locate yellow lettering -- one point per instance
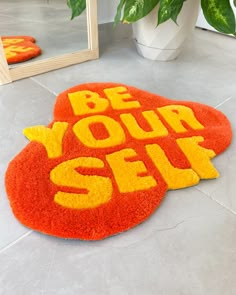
(175, 114)
(12, 50)
(51, 138)
(115, 132)
(9, 54)
(198, 156)
(99, 189)
(10, 41)
(158, 129)
(121, 99)
(126, 173)
(174, 177)
(87, 102)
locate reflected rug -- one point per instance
(106, 161)
(19, 48)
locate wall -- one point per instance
(107, 10)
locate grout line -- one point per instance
(16, 241)
(219, 203)
(220, 104)
(43, 86)
(207, 195)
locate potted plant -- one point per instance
(160, 27)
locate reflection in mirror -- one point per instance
(48, 21)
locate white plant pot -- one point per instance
(166, 41)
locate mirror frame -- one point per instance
(8, 75)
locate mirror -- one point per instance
(48, 21)
(63, 42)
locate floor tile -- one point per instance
(186, 247)
(22, 104)
(223, 189)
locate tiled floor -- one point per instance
(187, 247)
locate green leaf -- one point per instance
(219, 14)
(137, 9)
(235, 3)
(68, 3)
(169, 9)
(77, 7)
(176, 10)
(118, 12)
(164, 12)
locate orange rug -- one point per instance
(105, 162)
(19, 48)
